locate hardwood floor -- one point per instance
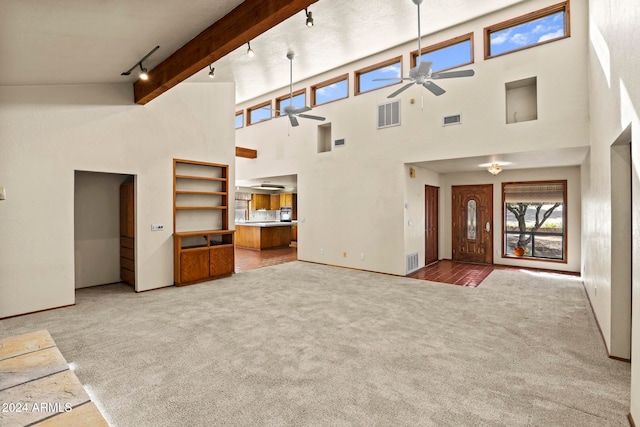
(247, 259)
(444, 271)
(464, 274)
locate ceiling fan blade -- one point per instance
(293, 120)
(397, 79)
(433, 88)
(301, 110)
(452, 74)
(425, 67)
(402, 89)
(307, 116)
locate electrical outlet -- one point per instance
(321, 251)
(362, 256)
(157, 227)
(344, 254)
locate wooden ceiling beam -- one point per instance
(244, 23)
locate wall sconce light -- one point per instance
(250, 52)
(309, 18)
(494, 169)
(143, 71)
(212, 72)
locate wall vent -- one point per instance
(456, 119)
(412, 262)
(389, 114)
(339, 143)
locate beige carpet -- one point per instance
(301, 344)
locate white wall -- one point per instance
(368, 175)
(573, 211)
(97, 228)
(614, 91)
(48, 132)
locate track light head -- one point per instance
(212, 72)
(250, 52)
(309, 18)
(143, 72)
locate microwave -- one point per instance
(285, 214)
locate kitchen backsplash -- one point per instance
(264, 215)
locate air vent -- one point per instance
(339, 143)
(412, 262)
(389, 114)
(451, 120)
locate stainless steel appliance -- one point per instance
(285, 214)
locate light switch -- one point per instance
(157, 227)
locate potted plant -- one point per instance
(518, 251)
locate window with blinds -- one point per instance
(535, 219)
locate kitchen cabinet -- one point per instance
(294, 233)
(260, 236)
(260, 201)
(274, 202)
(290, 200)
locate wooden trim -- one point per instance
(445, 44)
(630, 418)
(550, 10)
(41, 311)
(247, 153)
(327, 83)
(565, 229)
(255, 107)
(243, 24)
(374, 67)
(285, 97)
(239, 113)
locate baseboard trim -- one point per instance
(37, 311)
(604, 342)
(630, 417)
(353, 268)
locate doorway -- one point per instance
(472, 223)
(621, 246)
(97, 252)
(431, 224)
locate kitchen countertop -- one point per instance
(267, 224)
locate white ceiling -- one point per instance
(93, 41)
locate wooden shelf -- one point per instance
(201, 178)
(201, 254)
(200, 208)
(205, 193)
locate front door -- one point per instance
(430, 224)
(472, 228)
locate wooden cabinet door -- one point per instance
(430, 224)
(274, 202)
(260, 201)
(127, 219)
(221, 261)
(285, 200)
(294, 233)
(472, 227)
(194, 265)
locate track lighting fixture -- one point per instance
(309, 18)
(144, 75)
(212, 72)
(250, 51)
(143, 72)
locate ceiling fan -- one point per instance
(421, 74)
(290, 111)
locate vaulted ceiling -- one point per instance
(94, 41)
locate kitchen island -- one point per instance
(263, 235)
